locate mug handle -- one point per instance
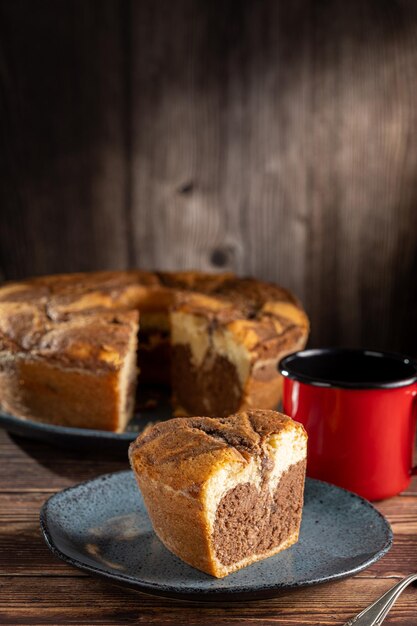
(414, 469)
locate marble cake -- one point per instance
(223, 493)
(69, 352)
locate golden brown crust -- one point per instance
(74, 373)
(93, 342)
(257, 313)
(261, 315)
(183, 452)
(45, 392)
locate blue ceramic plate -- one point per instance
(102, 527)
(98, 440)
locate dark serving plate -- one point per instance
(101, 526)
(155, 407)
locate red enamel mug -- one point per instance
(359, 409)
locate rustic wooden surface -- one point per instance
(272, 138)
(37, 589)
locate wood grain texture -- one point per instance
(276, 140)
(271, 138)
(95, 603)
(38, 589)
(215, 155)
(62, 146)
(363, 193)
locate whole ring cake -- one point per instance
(70, 350)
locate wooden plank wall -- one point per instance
(273, 138)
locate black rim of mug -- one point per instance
(289, 368)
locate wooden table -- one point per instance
(36, 588)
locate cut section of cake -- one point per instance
(80, 372)
(225, 492)
(226, 346)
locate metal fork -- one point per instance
(375, 613)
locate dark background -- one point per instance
(269, 137)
